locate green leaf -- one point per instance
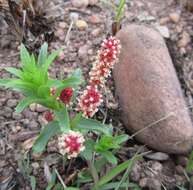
(52, 182)
(89, 149)
(74, 122)
(113, 185)
(4, 82)
(119, 11)
(71, 188)
(43, 54)
(14, 71)
(189, 167)
(33, 182)
(44, 91)
(20, 85)
(73, 81)
(100, 163)
(63, 119)
(110, 157)
(24, 103)
(24, 56)
(105, 143)
(121, 139)
(115, 171)
(93, 125)
(48, 131)
(181, 188)
(51, 58)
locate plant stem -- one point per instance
(93, 171)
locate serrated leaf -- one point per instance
(48, 131)
(43, 54)
(24, 103)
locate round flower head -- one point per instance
(48, 116)
(71, 144)
(110, 49)
(89, 101)
(66, 95)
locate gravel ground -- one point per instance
(17, 131)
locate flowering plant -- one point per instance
(73, 132)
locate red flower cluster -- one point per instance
(71, 143)
(89, 101)
(107, 57)
(101, 70)
(66, 95)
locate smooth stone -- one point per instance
(149, 92)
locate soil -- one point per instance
(17, 131)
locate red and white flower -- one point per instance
(71, 144)
(107, 57)
(89, 101)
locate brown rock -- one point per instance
(164, 20)
(80, 3)
(175, 17)
(185, 40)
(150, 93)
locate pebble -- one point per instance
(80, 3)
(163, 30)
(74, 16)
(160, 156)
(17, 116)
(60, 34)
(12, 103)
(164, 20)
(157, 167)
(96, 32)
(81, 24)
(94, 19)
(185, 40)
(33, 124)
(40, 108)
(136, 172)
(63, 25)
(150, 183)
(83, 51)
(93, 2)
(7, 112)
(35, 165)
(32, 107)
(174, 17)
